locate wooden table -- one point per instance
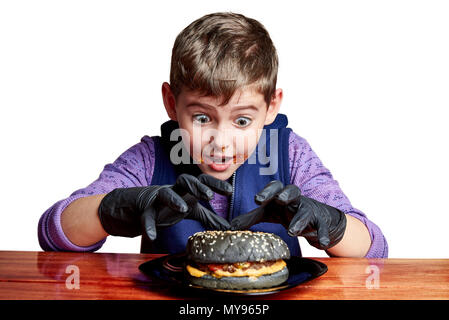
(53, 275)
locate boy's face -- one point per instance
(221, 137)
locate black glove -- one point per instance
(323, 226)
(129, 212)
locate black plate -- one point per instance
(170, 269)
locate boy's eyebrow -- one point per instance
(198, 104)
(208, 106)
(245, 107)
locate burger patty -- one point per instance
(239, 269)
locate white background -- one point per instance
(365, 82)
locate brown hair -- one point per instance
(222, 52)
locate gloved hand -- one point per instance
(129, 212)
(323, 226)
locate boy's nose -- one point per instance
(221, 142)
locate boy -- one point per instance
(237, 165)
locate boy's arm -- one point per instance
(356, 240)
(80, 222)
(72, 224)
(51, 234)
(362, 237)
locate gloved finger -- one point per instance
(168, 217)
(148, 221)
(245, 221)
(170, 198)
(299, 223)
(268, 192)
(147, 196)
(209, 219)
(186, 183)
(217, 185)
(289, 195)
(322, 232)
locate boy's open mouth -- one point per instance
(218, 163)
(219, 160)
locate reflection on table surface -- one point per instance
(68, 275)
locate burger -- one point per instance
(236, 260)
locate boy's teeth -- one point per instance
(220, 160)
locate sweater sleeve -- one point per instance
(316, 182)
(133, 168)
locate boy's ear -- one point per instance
(169, 101)
(275, 105)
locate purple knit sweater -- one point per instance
(135, 168)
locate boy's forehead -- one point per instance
(248, 95)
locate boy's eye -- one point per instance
(243, 121)
(201, 118)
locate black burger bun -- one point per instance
(240, 283)
(235, 246)
(236, 260)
